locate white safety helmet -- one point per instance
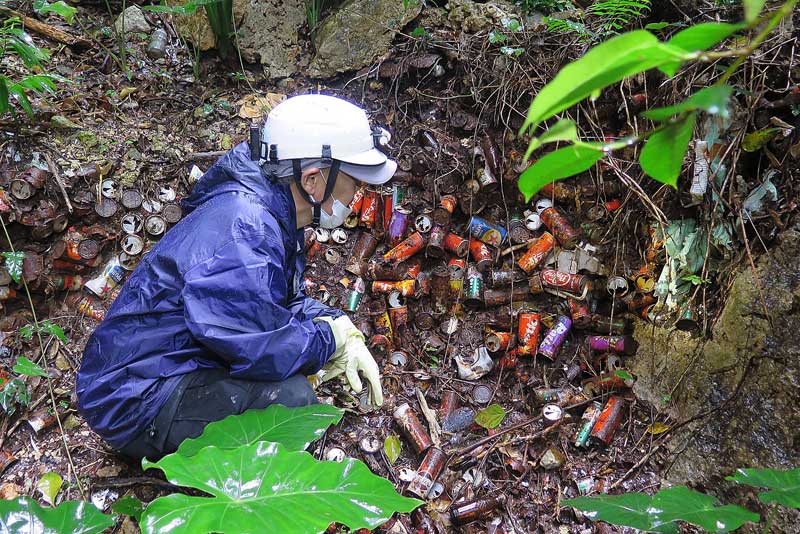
(328, 128)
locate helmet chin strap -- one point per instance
(316, 206)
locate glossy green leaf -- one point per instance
(660, 512)
(13, 393)
(49, 485)
(605, 64)
(186, 9)
(14, 264)
(563, 130)
(556, 165)
(3, 95)
(712, 100)
(698, 38)
(129, 505)
(45, 327)
(26, 367)
(752, 9)
(392, 447)
(59, 8)
(783, 485)
(22, 98)
(294, 428)
(755, 140)
(25, 516)
(662, 156)
(265, 488)
(656, 25)
(491, 416)
(623, 374)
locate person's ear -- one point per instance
(309, 180)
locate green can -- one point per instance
(356, 294)
(589, 419)
(473, 286)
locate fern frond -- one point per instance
(614, 15)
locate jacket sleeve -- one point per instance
(305, 307)
(236, 304)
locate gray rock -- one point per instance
(268, 35)
(755, 426)
(357, 33)
(134, 21)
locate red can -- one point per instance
(481, 254)
(609, 420)
(456, 244)
(399, 318)
(530, 325)
(497, 341)
(560, 228)
(407, 248)
(436, 242)
(357, 203)
(579, 312)
(369, 208)
(537, 252)
(441, 215)
(574, 283)
(412, 428)
(429, 470)
(388, 208)
(405, 287)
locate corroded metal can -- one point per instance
(535, 285)
(560, 396)
(537, 252)
(407, 248)
(530, 324)
(399, 318)
(429, 470)
(618, 344)
(369, 208)
(65, 282)
(436, 241)
(558, 225)
(442, 213)
(466, 512)
(497, 341)
(644, 279)
(440, 285)
(579, 312)
(473, 286)
(574, 283)
(609, 420)
(505, 277)
(456, 244)
(555, 337)
(404, 287)
(481, 254)
(518, 232)
(617, 325)
(356, 294)
(424, 320)
(412, 428)
(362, 251)
(380, 318)
(637, 301)
(448, 404)
(491, 234)
(457, 267)
(398, 224)
(498, 297)
(588, 420)
(423, 279)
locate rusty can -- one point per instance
(106, 208)
(6, 458)
(362, 251)
(505, 277)
(473, 286)
(387, 194)
(64, 282)
(617, 325)
(41, 419)
(172, 212)
(457, 267)
(131, 199)
(555, 337)
(491, 234)
(429, 470)
(423, 284)
(436, 240)
(481, 254)
(498, 297)
(369, 208)
(588, 420)
(456, 244)
(574, 283)
(498, 341)
(422, 223)
(397, 226)
(537, 252)
(609, 420)
(412, 428)
(607, 382)
(440, 284)
(380, 318)
(560, 228)
(530, 324)
(155, 225)
(7, 293)
(424, 320)
(518, 232)
(617, 286)
(560, 396)
(644, 279)
(579, 313)
(468, 511)
(442, 213)
(407, 248)
(356, 294)
(404, 287)
(618, 344)
(448, 404)
(399, 318)
(486, 180)
(637, 301)
(535, 285)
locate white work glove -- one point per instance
(351, 357)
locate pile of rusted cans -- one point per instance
(83, 242)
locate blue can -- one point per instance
(490, 234)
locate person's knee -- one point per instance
(296, 391)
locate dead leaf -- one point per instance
(255, 107)
(125, 91)
(9, 491)
(657, 428)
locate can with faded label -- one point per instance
(537, 252)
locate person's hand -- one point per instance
(350, 358)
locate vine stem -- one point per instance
(42, 358)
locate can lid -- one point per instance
(131, 198)
(552, 412)
(172, 213)
(88, 249)
(106, 208)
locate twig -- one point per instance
(430, 416)
(57, 175)
(51, 32)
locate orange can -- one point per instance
(405, 287)
(456, 244)
(369, 208)
(481, 254)
(357, 202)
(497, 341)
(441, 215)
(530, 325)
(407, 248)
(537, 252)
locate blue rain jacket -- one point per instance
(222, 288)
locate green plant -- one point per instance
(14, 393)
(783, 486)
(59, 8)
(491, 416)
(510, 25)
(14, 40)
(602, 19)
(545, 6)
(256, 483)
(313, 10)
(623, 56)
(23, 515)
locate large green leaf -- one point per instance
(752, 9)
(607, 63)
(59, 8)
(556, 165)
(264, 488)
(660, 512)
(25, 516)
(698, 38)
(28, 368)
(783, 485)
(563, 130)
(294, 428)
(186, 9)
(662, 156)
(3, 95)
(712, 100)
(14, 264)
(491, 416)
(49, 485)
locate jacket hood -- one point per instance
(236, 172)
